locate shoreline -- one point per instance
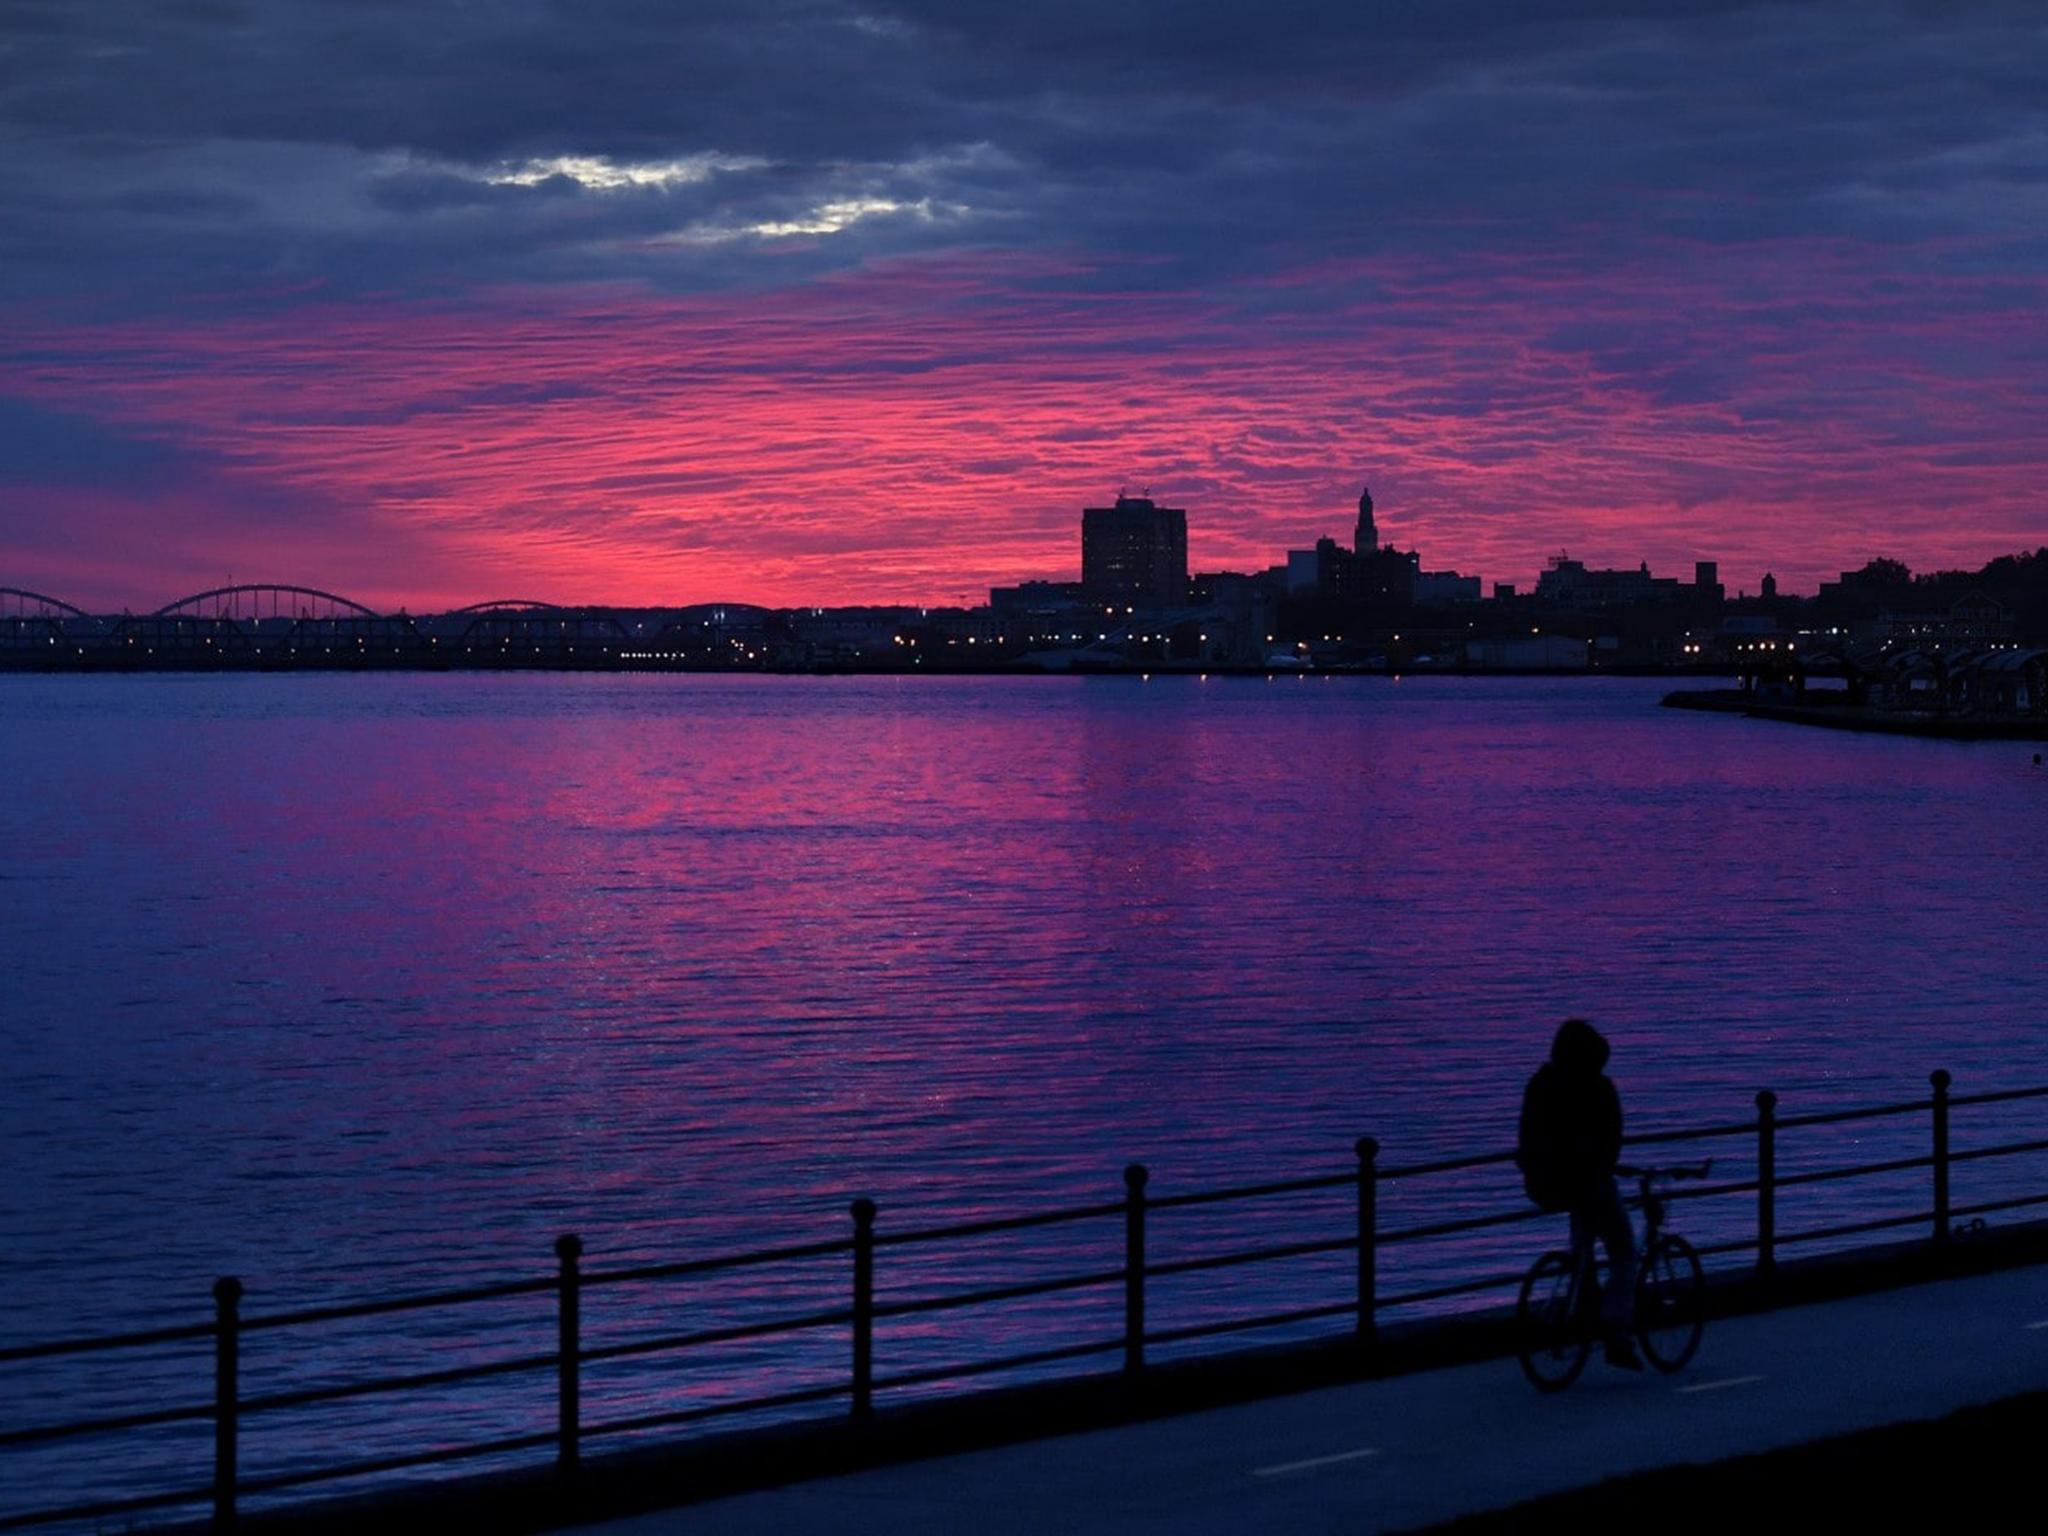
(1849, 717)
(830, 669)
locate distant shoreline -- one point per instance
(1850, 717)
(830, 669)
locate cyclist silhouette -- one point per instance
(1569, 1143)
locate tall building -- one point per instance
(1339, 572)
(1135, 554)
(1367, 538)
(1367, 576)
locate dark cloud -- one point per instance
(400, 145)
(52, 448)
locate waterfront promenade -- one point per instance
(559, 1482)
(1414, 1450)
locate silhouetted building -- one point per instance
(1340, 573)
(1240, 616)
(1366, 538)
(1034, 595)
(848, 635)
(1973, 620)
(1135, 553)
(1567, 583)
(1865, 585)
(1367, 577)
(1378, 578)
(1706, 581)
(1435, 587)
(1770, 588)
(1386, 577)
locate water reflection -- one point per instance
(340, 983)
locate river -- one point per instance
(340, 983)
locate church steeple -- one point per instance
(1367, 539)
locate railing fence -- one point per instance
(1369, 1242)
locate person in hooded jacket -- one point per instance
(1569, 1144)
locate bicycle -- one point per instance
(1559, 1310)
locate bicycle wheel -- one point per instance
(1553, 1340)
(1670, 1303)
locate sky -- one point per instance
(662, 301)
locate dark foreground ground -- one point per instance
(1729, 1442)
(1979, 1467)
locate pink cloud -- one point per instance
(923, 429)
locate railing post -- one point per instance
(1941, 1080)
(1368, 1235)
(227, 1391)
(1766, 1184)
(1135, 1177)
(569, 1353)
(863, 1308)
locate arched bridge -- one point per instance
(267, 622)
(264, 603)
(19, 603)
(36, 624)
(530, 634)
(281, 624)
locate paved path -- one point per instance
(1393, 1454)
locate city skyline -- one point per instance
(493, 303)
(1068, 570)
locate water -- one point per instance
(346, 983)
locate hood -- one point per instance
(1579, 1047)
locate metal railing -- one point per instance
(859, 1312)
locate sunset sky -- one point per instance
(799, 300)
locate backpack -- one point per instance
(1537, 1149)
